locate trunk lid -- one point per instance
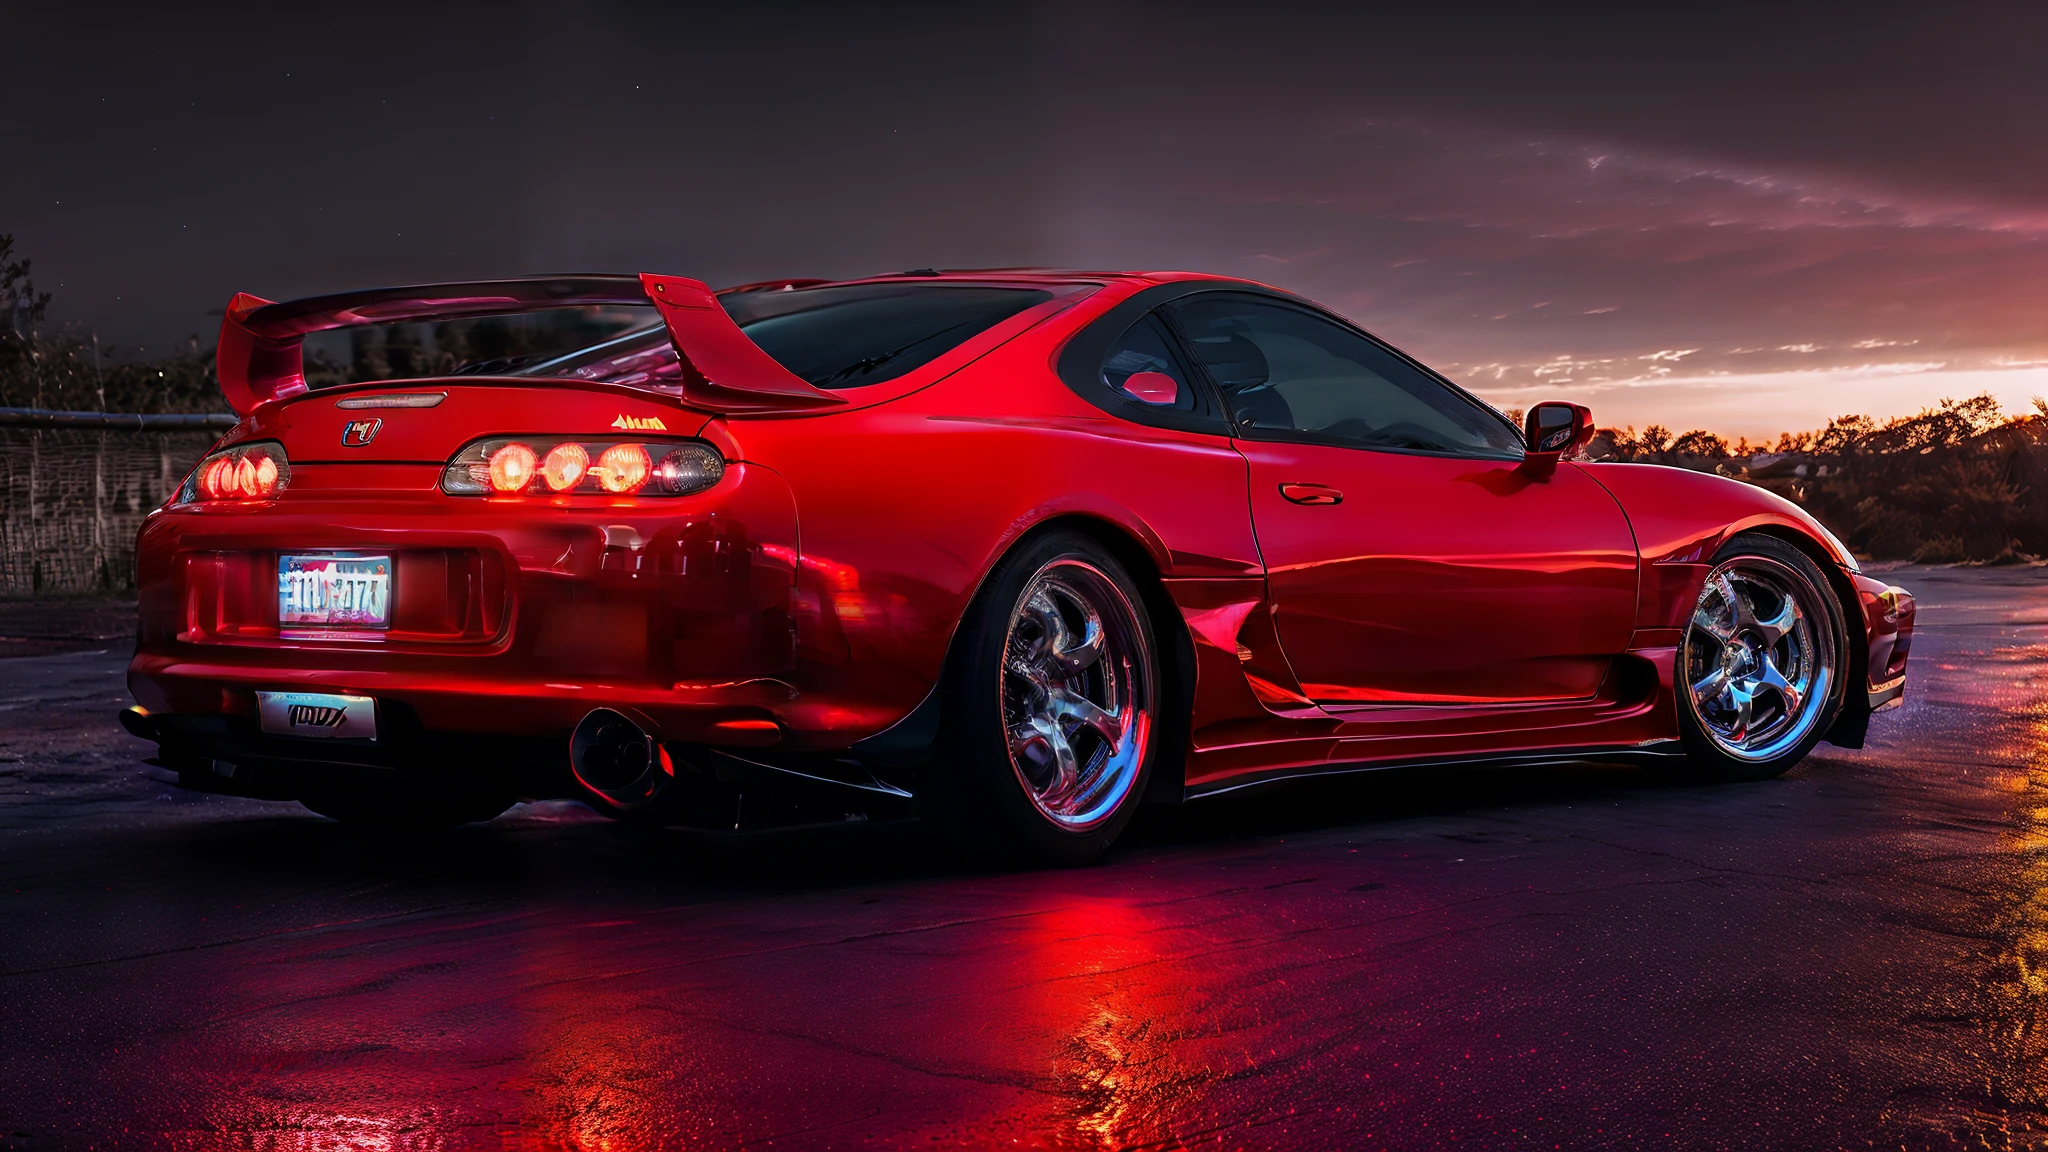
(426, 422)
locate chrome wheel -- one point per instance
(1759, 660)
(1077, 693)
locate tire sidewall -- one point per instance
(1704, 756)
(980, 804)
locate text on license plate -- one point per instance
(324, 715)
(333, 592)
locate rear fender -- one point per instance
(1138, 548)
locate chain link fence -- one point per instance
(78, 485)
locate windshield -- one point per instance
(833, 337)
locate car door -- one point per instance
(1408, 559)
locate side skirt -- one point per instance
(1649, 752)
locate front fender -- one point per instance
(1681, 518)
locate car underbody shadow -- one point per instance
(557, 845)
(1382, 798)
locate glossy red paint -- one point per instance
(1343, 606)
(1441, 579)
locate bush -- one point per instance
(70, 370)
(1955, 483)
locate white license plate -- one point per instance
(333, 595)
(324, 715)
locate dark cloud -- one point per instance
(1743, 215)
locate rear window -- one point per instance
(836, 337)
(479, 346)
(844, 337)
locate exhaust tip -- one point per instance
(137, 720)
(616, 760)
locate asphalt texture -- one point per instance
(1853, 956)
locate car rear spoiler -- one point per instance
(261, 355)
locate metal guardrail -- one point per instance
(130, 421)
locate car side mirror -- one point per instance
(1554, 430)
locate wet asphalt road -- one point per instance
(1853, 956)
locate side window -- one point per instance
(1284, 370)
(1141, 365)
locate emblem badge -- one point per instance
(640, 424)
(360, 432)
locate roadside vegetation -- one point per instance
(68, 369)
(1959, 482)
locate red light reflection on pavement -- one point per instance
(1119, 1008)
(1057, 1021)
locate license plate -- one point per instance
(324, 715)
(330, 596)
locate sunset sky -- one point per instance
(1732, 218)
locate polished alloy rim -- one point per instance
(1077, 694)
(1759, 658)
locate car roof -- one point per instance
(1019, 275)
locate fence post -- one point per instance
(99, 477)
(99, 512)
(35, 531)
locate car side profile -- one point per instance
(1014, 551)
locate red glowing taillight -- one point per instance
(565, 466)
(623, 468)
(543, 466)
(511, 468)
(255, 471)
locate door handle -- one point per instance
(1311, 494)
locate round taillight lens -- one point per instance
(244, 472)
(266, 475)
(565, 466)
(622, 469)
(512, 468)
(213, 479)
(688, 468)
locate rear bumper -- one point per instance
(507, 621)
(738, 712)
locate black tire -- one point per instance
(981, 795)
(1716, 747)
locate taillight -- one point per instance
(540, 466)
(565, 466)
(623, 469)
(255, 471)
(511, 468)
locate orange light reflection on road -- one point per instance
(2017, 1016)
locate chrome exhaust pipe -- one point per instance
(617, 761)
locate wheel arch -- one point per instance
(917, 734)
(1850, 724)
(1169, 628)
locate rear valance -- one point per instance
(261, 355)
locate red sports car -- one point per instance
(1014, 551)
